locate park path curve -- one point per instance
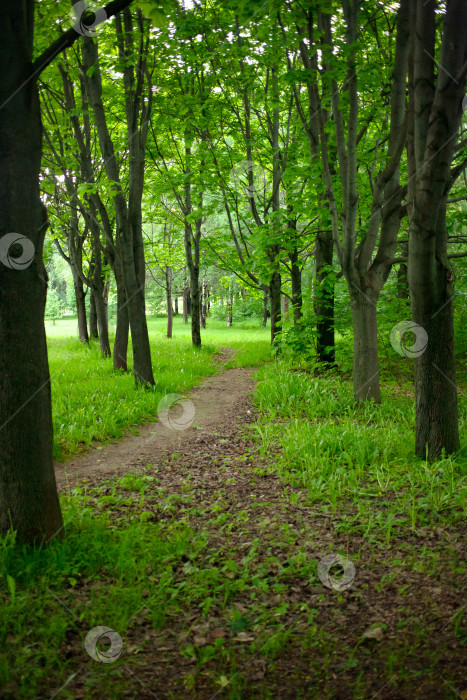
(218, 402)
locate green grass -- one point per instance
(149, 558)
(91, 401)
(341, 453)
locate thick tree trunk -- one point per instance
(431, 292)
(435, 114)
(28, 494)
(365, 348)
(93, 330)
(80, 296)
(324, 299)
(275, 297)
(122, 330)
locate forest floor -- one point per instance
(247, 616)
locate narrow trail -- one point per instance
(217, 403)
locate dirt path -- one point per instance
(217, 402)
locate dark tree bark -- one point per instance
(192, 259)
(324, 299)
(28, 495)
(122, 330)
(275, 299)
(176, 304)
(80, 297)
(93, 328)
(435, 113)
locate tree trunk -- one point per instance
(93, 331)
(168, 287)
(431, 293)
(435, 118)
(275, 297)
(324, 299)
(230, 306)
(122, 330)
(402, 276)
(80, 296)
(195, 306)
(365, 348)
(265, 310)
(28, 495)
(176, 304)
(296, 275)
(192, 261)
(185, 304)
(204, 307)
(102, 321)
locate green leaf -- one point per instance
(11, 583)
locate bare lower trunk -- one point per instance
(365, 349)
(80, 297)
(93, 331)
(275, 297)
(195, 306)
(102, 322)
(204, 306)
(142, 364)
(432, 293)
(168, 287)
(29, 502)
(176, 304)
(122, 330)
(324, 299)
